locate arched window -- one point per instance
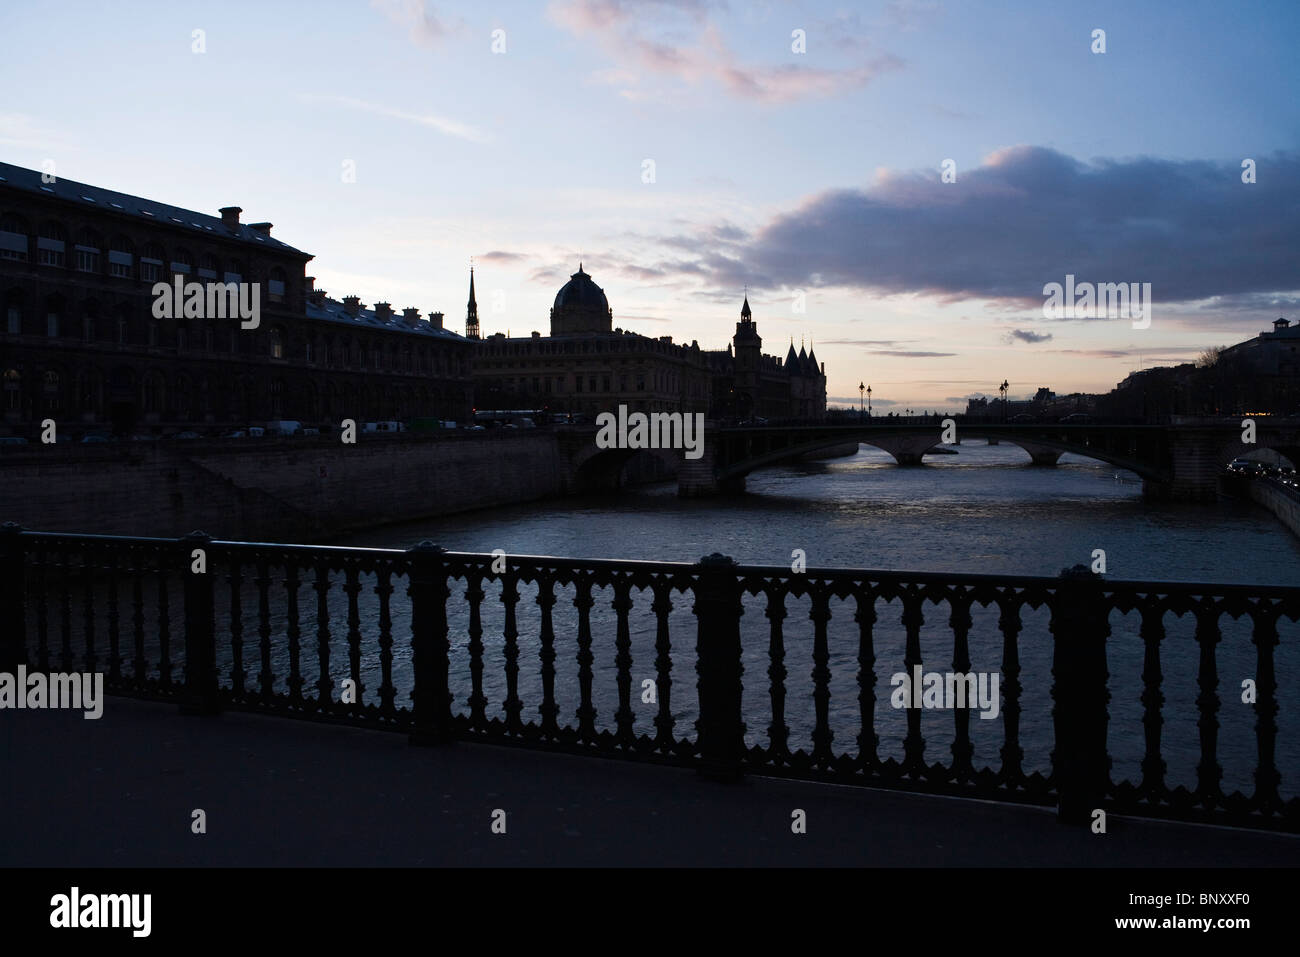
(88, 250)
(13, 237)
(121, 258)
(52, 384)
(151, 263)
(13, 383)
(277, 342)
(182, 262)
(50, 244)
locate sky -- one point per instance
(687, 152)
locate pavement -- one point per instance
(122, 791)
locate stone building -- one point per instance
(587, 366)
(80, 341)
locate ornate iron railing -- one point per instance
(352, 634)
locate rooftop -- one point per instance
(147, 210)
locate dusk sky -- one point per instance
(817, 172)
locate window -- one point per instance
(88, 328)
(277, 398)
(277, 344)
(275, 285)
(52, 324)
(13, 390)
(53, 392)
(15, 321)
(121, 332)
(13, 238)
(151, 263)
(88, 251)
(50, 245)
(307, 353)
(182, 263)
(153, 333)
(209, 266)
(577, 383)
(121, 258)
(182, 339)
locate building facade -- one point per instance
(587, 366)
(81, 342)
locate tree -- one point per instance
(1209, 357)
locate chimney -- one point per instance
(351, 305)
(318, 296)
(383, 311)
(230, 217)
(263, 228)
(411, 315)
(311, 284)
(435, 320)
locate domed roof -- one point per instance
(581, 293)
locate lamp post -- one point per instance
(868, 401)
(1003, 389)
(861, 389)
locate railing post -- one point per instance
(13, 589)
(430, 649)
(720, 727)
(200, 695)
(1080, 626)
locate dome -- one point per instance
(580, 306)
(581, 293)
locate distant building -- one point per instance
(1271, 353)
(587, 366)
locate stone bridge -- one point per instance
(1181, 461)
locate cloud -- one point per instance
(419, 19)
(905, 354)
(1026, 335)
(504, 258)
(443, 125)
(675, 38)
(862, 342)
(1029, 215)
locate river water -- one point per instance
(984, 509)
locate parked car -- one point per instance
(187, 435)
(12, 440)
(1076, 418)
(237, 434)
(95, 438)
(1023, 417)
(311, 431)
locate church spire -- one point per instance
(744, 310)
(471, 312)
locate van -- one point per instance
(284, 427)
(256, 431)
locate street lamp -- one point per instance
(1003, 389)
(868, 401)
(861, 389)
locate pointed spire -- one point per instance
(744, 310)
(471, 311)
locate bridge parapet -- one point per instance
(305, 661)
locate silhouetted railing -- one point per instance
(353, 634)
